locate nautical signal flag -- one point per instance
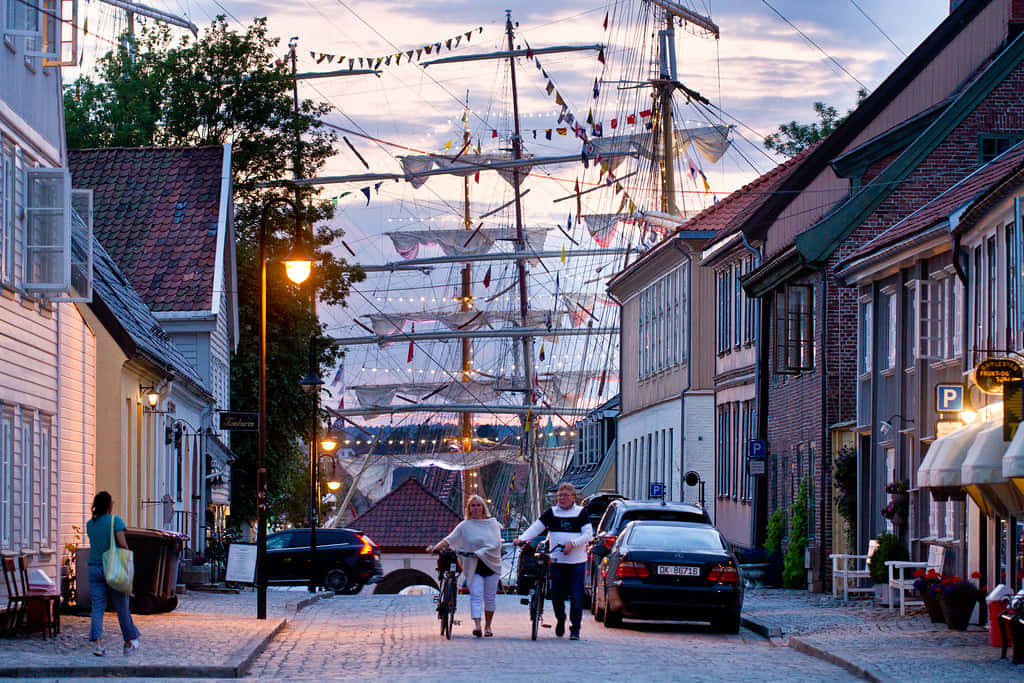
(411, 345)
(542, 350)
(487, 278)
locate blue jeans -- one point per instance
(567, 581)
(100, 593)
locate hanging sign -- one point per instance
(992, 373)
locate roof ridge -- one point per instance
(415, 482)
(144, 148)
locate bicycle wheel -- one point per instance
(442, 606)
(451, 622)
(536, 608)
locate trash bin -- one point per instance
(994, 600)
(156, 570)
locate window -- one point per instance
(722, 461)
(26, 460)
(46, 481)
(794, 329)
(993, 290)
(887, 305)
(38, 22)
(47, 229)
(737, 306)
(7, 478)
(978, 331)
(865, 335)
(662, 325)
(749, 431)
(990, 146)
(938, 312)
(737, 443)
(750, 304)
(724, 309)
(811, 507)
(7, 195)
(1013, 322)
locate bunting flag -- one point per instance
(631, 118)
(448, 146)
(590, 116)
(596, 90)
(579, 200)
(600, 55)
(693, 168)
(563, 256)
(547, 133)
(645, 113)
(707, 187)
(339, 376)
(550, 87)
(605, 26)
(366, 191)
(542, 350)
(487, 278)
(411, 346)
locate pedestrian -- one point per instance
(567, 525)
(98, 530)
(480, 535)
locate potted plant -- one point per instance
(896, 510)
(890, 547)
(957, 596)
(923, 582)
(844, 478)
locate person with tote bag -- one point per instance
(110, 573)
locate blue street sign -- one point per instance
(657, 490)
(949, 398)
(757, 449)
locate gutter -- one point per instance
(689, 367)
(618, 302)
(761, 406)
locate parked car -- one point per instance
(346, 560)
(621, 512)
(682, 571)
(596, 505)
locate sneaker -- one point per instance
(560, 628)
(131, 646)
(574, 635)
(99, 651)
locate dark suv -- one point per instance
(619, 513)
(346, 560)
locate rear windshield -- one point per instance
(683, 538)
(665, 515)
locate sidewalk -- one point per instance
(873, 642)
(209, 635)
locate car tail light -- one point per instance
(367, 548)
(609, 541)
(627, 570)
(724, 573)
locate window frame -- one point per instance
(794, 326)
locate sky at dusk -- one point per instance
(761, 72)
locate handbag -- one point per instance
(118, 565)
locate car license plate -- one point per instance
(668, 570)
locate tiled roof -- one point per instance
(958, 194)
(155, 210)
(410, 517)
(727, 215)
(129, 320)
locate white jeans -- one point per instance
(482, 589)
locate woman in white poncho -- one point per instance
(479, 534)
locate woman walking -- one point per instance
(98, 529)
(479, 534)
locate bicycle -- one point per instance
(540, 587)
(447, 580)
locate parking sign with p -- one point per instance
(949, 398)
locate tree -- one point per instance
(228, 87)
(793, 138)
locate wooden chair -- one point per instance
(41, 610)
(900, 583)
(11, 617)
(851, 570)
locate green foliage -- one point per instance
(844, 477)
(776, 531)
(794, 574)
(890, 547)
(793, 138)
(229, 87)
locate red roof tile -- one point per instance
(156, 211)
(410, 517)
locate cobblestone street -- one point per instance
(397, 638)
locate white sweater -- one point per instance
(482, 537)
(572, 525)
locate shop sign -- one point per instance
(992, 373)
(944, 427)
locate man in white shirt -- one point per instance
(567, 525)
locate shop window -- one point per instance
(794, 330)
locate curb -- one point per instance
(768, 631)
(812, 651)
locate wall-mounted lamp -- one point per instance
(151, 395)
(334, 485)
(887, 425)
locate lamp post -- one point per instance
(297, 273)
(311, 383)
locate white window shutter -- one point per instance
(21, 18)
(47, 230)
(80, 289)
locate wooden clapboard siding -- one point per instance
(76, 432)
(28, 356)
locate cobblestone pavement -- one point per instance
(878, 642)
(219, 631)
(397, 638)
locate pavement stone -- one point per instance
(205, 635)
(876, 643)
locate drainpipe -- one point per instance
(826, 444)
(759, 516)
(677, 243)
(618, 473)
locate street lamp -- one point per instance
(261, 458)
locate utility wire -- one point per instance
(861, 10)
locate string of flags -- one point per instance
(395, 58)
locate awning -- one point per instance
(982, 474)
(940, 470)
(1013, 461)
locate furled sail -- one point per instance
(711, 141)
(415, 165)
(461, 242)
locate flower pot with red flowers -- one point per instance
(958, 598)
(923, 583)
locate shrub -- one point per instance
(794, 574)
(844, 476)
(890, 547)
(776, 531)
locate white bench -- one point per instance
(851, 570)
(900, 584)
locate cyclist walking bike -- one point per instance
(540, 587)
(447, 580)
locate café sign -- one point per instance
(992, 373)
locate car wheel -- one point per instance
(612, 619)
(729, 623)
(593, 598)
(337, 580)
(598, 607)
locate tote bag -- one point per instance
(118, 565)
